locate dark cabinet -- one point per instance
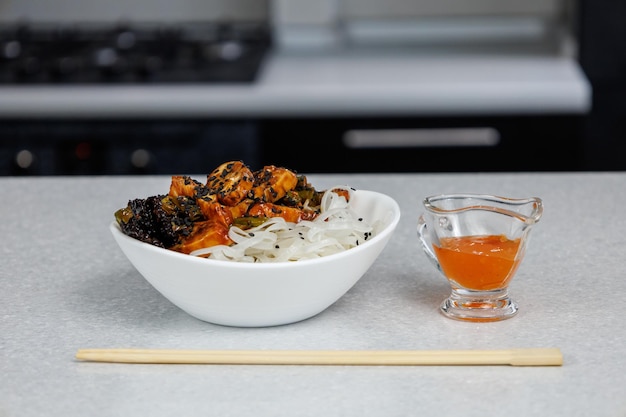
(602, 40)
(433, 144)
(123, 147)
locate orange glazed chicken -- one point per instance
(195, 215)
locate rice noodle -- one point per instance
(336, 229)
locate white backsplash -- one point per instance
(299, 24)
(377, 9)
(136, 10)
(328, 23)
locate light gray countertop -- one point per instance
(65, 285)
(403, 83)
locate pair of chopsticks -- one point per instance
(513, 357)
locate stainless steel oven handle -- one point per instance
(420, 138)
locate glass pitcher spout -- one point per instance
(527, 210)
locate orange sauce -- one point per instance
(478, 262)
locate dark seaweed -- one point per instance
(165, 221)
(159, 220)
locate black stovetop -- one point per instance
(94, 53)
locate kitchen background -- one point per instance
(161, 87)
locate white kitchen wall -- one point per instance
(422, 8)
(139, 10)
(292, 10)
(325, 23)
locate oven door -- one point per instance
(426, 144)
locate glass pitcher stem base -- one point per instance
(479, 306)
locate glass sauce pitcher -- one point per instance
(477, 242)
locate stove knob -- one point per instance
(125, 40)
(141, 158)
(105, 57)
(223, 52)
(110, 62)
(24, 159)
(24, 163)
(231, 51)
(10, 50)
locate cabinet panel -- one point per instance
(550, 143)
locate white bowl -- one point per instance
(262, 294)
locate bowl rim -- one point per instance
(383, 234)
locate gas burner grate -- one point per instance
(220, 52)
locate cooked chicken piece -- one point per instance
(204, 234)
(231, 181)
(241, 208)
(212, 210)
(291, 214)
(272, 183)
(187, 187)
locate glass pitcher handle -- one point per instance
(424, 237)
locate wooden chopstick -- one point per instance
(514, 357)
